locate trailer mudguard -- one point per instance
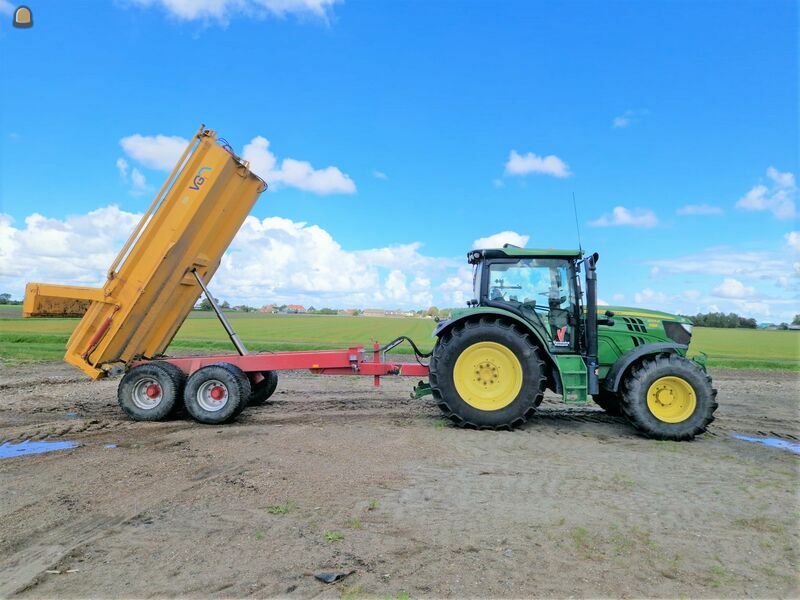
(553, 382)
(614, 377)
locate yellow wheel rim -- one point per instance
(488, 376)
(671, 399)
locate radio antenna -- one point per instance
(577, 225)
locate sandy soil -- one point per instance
(574, 504)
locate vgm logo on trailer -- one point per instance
(199, 179)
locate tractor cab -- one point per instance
(541, 286)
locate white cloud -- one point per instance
(778, 198)
(498, 239)
(649, 296)
(159, 152)
(700, 209)
(733, 288)
(162, 152)
(525, 164)
(223, 10)
(621, 216)
(395, 286)
(629, 117)
(295, 173)
(793, 240)
(379, 175)
(728, 262)
(457, 289)
(77, 250)
(270, 260)
(133, 177)
(138, 181)
(122, 167)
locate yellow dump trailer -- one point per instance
(151, 286)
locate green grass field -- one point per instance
(45, 339)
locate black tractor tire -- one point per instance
(635, 388)
(263, 389)
(133, 396)
(611, 402)
(442, 366)
(200, 387)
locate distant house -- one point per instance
(295, 309)
(268, 308)
(348, 311)
(386, 312)
(310, 309)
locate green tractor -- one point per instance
(527, 330)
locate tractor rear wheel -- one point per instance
(263, 389)
(487, 374)
(610, 402)
(669, 397)
(216, 393)
(151, 391)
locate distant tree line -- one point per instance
(6, 299)
(718, 319)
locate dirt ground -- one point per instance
(337, 476)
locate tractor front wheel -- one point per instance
(669, 397)
(487, 374)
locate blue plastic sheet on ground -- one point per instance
(9, 450)
(771, 442)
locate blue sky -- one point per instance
(404, 117)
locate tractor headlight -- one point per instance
(680, 333)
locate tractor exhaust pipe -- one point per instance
(593, 382)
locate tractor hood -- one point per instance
(642, 313)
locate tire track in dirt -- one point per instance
(24, 569)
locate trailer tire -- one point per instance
(216, 393)
(263, 389)
(151, 391)
(669, 397)
(611, 402)
(487, 374)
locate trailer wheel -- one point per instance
(263, 389)
(216, 393)
(487, 374)
(151, 391)
(609, 402)
(669, 397)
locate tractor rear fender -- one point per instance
(553, 381)
(617, 371)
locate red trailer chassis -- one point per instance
(215, 389)
(352, 361)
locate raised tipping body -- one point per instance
(150, 288)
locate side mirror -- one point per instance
(595, 257)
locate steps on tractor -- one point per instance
(573, 378)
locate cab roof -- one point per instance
(507, 251)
